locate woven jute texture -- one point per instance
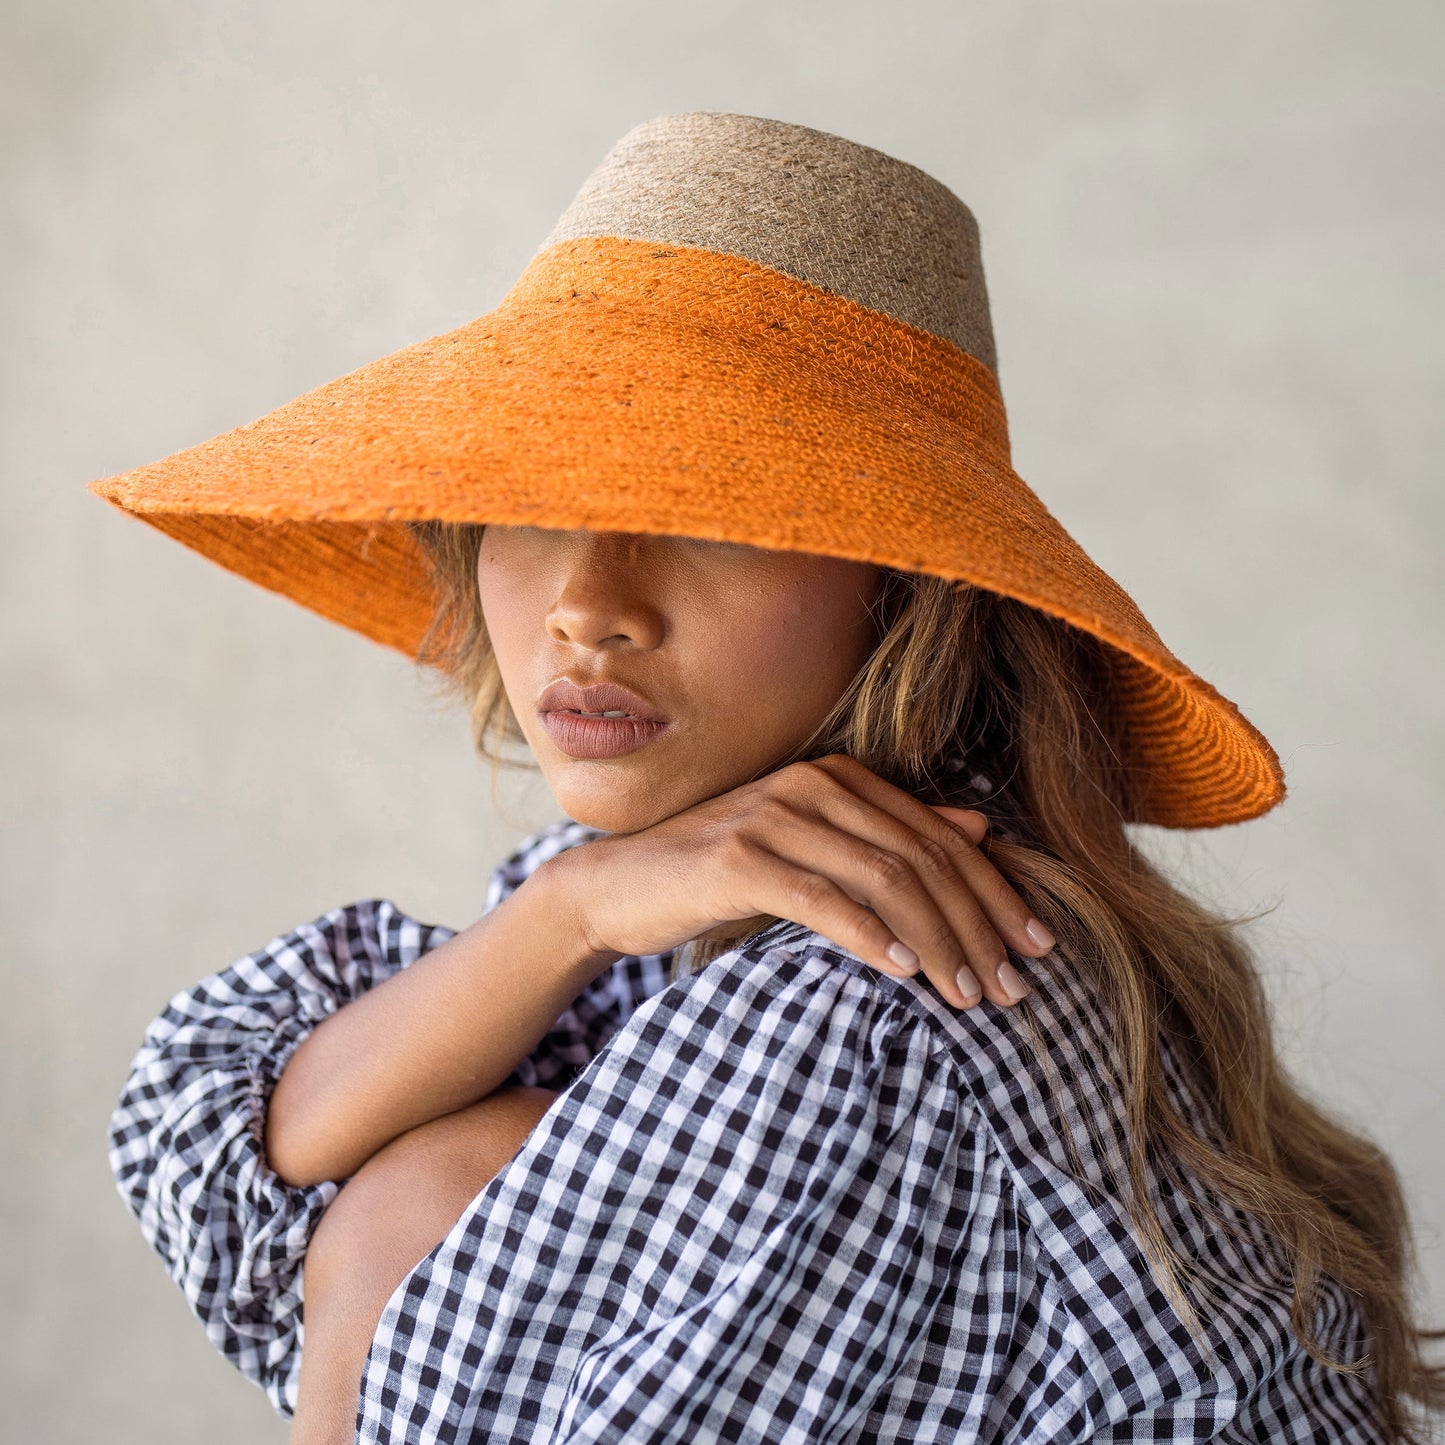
(739, 330)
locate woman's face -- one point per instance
(741, 649)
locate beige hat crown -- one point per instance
(820, 208)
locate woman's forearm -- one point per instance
(389, 1215)
(441, 1034)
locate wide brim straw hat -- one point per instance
(740, 329)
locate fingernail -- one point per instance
(902, 955)
(1038, 934)
(968, 985)
(1011, 983)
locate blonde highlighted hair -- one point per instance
(960, 669)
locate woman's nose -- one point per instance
(606, 594)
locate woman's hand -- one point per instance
(832, 846)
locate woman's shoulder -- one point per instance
(1042, 1083)
(1045, 1077)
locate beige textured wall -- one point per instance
(1212, 236)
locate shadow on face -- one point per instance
(743, 650)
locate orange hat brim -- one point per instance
(626, 386)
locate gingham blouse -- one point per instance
(785, 1199)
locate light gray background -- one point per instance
(1212, 236)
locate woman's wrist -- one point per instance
(567, 880)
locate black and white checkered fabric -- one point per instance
(784, 1199)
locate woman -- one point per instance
(734, 443)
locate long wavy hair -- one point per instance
(960, 670)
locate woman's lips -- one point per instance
(580, 736)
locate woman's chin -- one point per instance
(616, 795)
(611, 805)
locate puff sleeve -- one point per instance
(185, 1140)
(733, 1226)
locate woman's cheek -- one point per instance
(774, 672)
